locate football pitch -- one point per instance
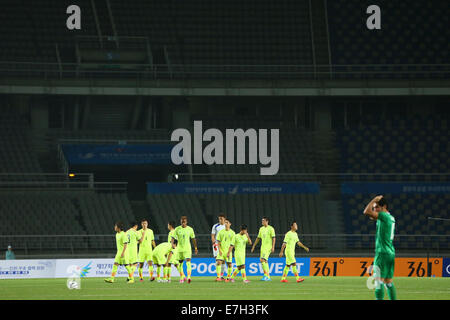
(205, 288)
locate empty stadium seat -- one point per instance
(406, 37)
(410, 212)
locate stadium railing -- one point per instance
(181, 71)
(56, 182)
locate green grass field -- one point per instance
(204, 288)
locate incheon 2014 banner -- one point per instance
(322, 266)
(117, 154)
(233, 188)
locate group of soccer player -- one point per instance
(177, 249)
(224, 240)
(135, 247)
(171, 252)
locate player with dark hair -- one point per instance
(133, 239)
(267, 236)
(161, 256)
(289, 242)
(121, 258)
(224, 239)
(239, 243)
(184, 234)
(146, 245)
(173, 260)
(384, 261)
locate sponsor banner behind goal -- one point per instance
(361, 267)
(64, 268)
(446, 267)
(207, 267)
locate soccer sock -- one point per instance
(294, 270)
(266, 269)
(188, 267)
(140, 272)
(169, 271)
(234, 273)
(130, 274)
(114, 270)
(158, 272)
(133, 269)
(285, 272)
(166, 273)
(180, 270)
(218, 270)
(229, 271)
(244, 275)
(392, 293)
(379, 291)
(150, 271)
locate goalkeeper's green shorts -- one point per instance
(386, 264)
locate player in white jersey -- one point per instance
(214, 232)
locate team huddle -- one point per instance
(135, 247)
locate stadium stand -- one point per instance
(394, 148)
(17, 155)
(221, 33)
(188, 30)
(406, 37)
(99, 213)
(410, 211)
(39, 213)
(281, 209)
(297, 152)
(202, 210)
(289, 39)
(170, 207)
(408, 145)
(28, 36)
(238, 39)
(62, 213)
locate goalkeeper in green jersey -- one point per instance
(146, 245)
(384, 261)
(183, 234)
(239, 242)
(121, 258)
(133, 239)
(267, 236)
(161, 256)
(173, 260)
(224, 239)
(289, 243)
